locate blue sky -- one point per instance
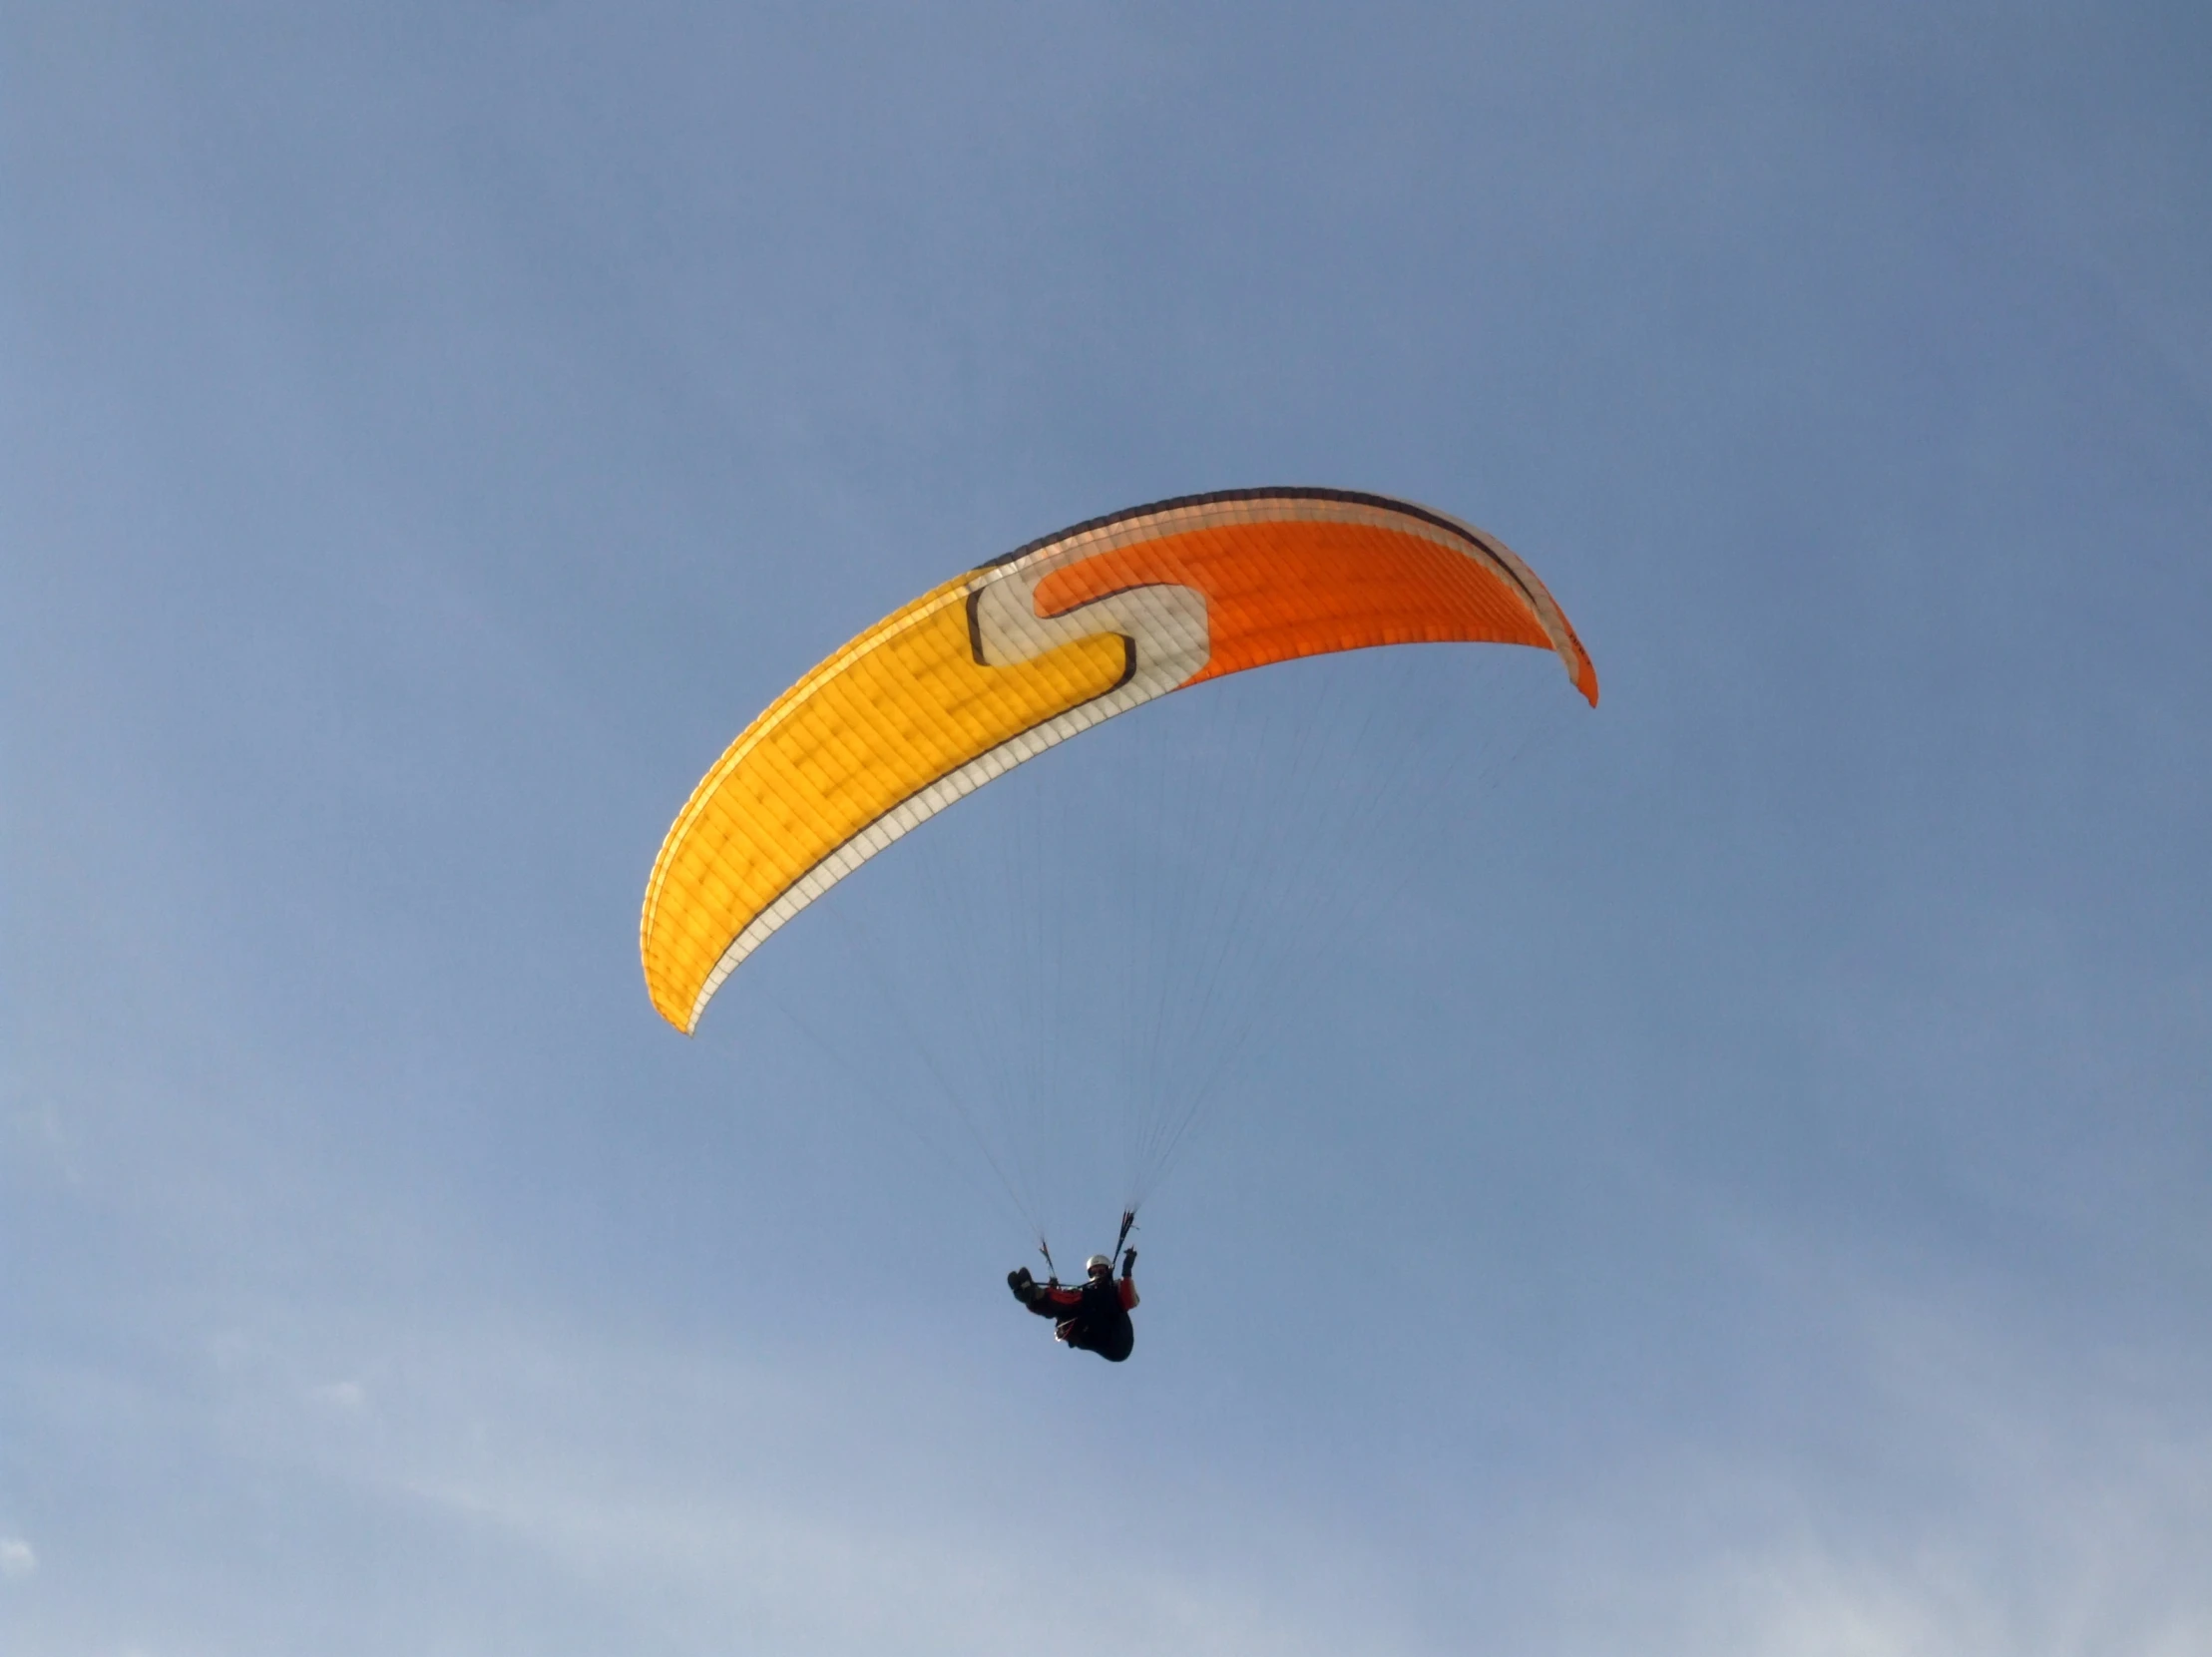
(1739, 1186)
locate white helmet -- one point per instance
(1098, 1263)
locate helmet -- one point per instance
(1098, 1263)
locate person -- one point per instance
(1091, 1317)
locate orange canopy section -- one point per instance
(988, 670)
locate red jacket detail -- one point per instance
(1063, 1294)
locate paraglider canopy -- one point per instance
(996, 667)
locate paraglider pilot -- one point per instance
(1092, 1318)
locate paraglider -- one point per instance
(1091, 1317)
(1002, 663)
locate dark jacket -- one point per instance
(1092, 1316)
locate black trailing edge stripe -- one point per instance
(1350, 496)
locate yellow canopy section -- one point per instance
(991, 670)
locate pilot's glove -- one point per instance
(1128, 1262)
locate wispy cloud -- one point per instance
(1983, 1496)
(702, 1499)
(348, 1396)
(1978, 1494)
(17, 1560)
